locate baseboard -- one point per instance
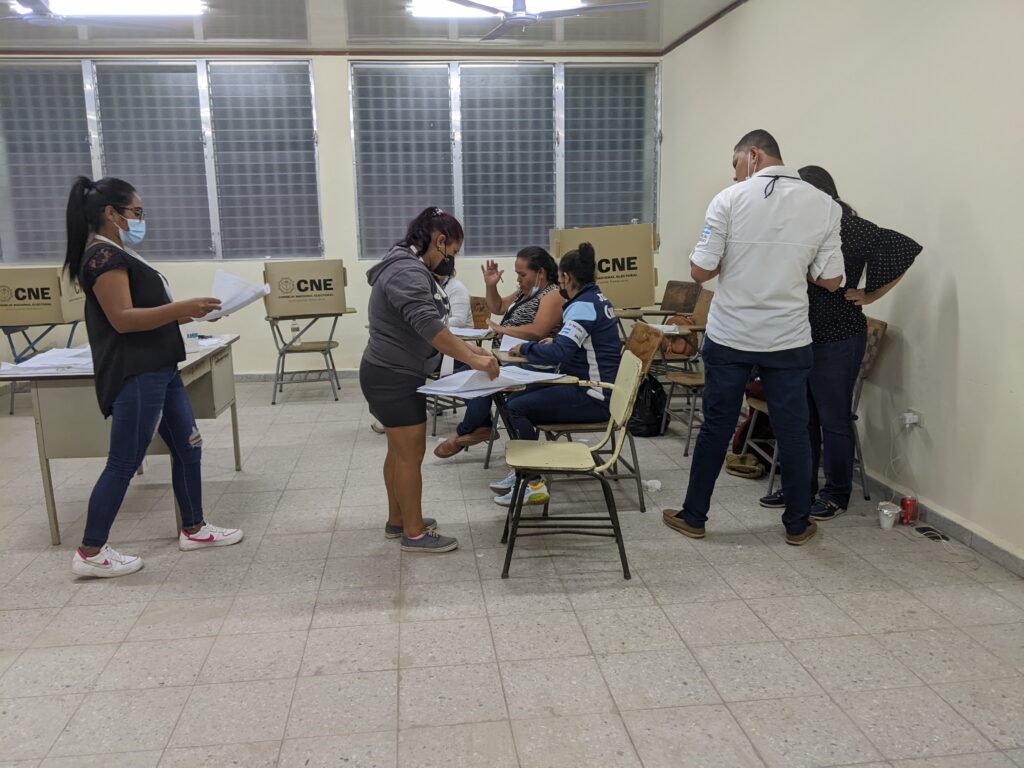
(956, 529)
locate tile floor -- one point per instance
(316, 643)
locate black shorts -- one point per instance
(392, 396)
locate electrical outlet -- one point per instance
(910, 418)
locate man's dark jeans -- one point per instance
(784, 376)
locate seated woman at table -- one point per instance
(533, 312)
(588, 347)
(460, 311)
(136, 346)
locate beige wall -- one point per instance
(916, 108)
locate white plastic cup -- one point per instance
(888, 513)
(190, 335)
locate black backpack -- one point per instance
(649, 409)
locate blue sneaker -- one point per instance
(536, 493)
(506, 484)
(825, 509)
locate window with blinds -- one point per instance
(265, 150)
(486, 136)
(44, 145)
(508, 157)
(403, 138)
(611, 126)
(153, 139)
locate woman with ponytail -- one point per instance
(136, 346)
(408, 336)
(588, 347)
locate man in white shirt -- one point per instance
(764, 238)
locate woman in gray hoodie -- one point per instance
(408, 336)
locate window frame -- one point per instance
(93, 128)
(558, 137)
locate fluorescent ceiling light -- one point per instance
(18, 8)
(442, 9)
(127, 7)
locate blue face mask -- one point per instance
(135, 233)
(533, 291)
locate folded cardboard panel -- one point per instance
(625, 260)
(305, 288)
(39, 296)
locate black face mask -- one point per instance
(445, 267)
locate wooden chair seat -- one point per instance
(758, 405)
(311, 346)
(686, 378)
(539, 455)
(563, 428)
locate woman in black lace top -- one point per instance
(136, 346)
(839, 334)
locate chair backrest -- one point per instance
(876, 331)
(481, 314)
(703, 306)
(627, 382)
(644, 342)
(680, 297)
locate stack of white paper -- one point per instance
(467, 384)
(60, 360)
(671, 330)
(508, 342)
(470, 333)
(234, 293)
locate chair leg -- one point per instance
(433, 428)
(329, 367)
(689, 425)
(774, 468)
(668, 408)
(517, 512)
(490, 441)
(750, 430)
(859, 456)
(613, 514)
(508, 514)
(636, 471)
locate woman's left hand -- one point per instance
(858, 297)
(494, 327)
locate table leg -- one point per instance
(501, 406)
(44, 470)
(234, 436)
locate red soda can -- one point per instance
(908, 510)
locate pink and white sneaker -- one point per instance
(105, 564)
(209, 536)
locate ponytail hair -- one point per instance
(818, 177)
(84, 214)
(579, 264)
(423, 227)
(539, 260)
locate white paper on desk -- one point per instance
(671, 330)
(234, 293)
(477, 384)
(509, 342)
(447, 366)
(470, 333)
(59, 360)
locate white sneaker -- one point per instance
(536, 493)
(507, 483)
(209, 536)
(376, 427)
(105, 564)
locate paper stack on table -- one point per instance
(670, 330)
(467, 384)
(509, 342)
(234, 293)
(60, 360)
(470, 333)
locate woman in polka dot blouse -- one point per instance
(839, 333)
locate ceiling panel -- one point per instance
(383, 26)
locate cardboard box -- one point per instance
(310, 288)
(39, 296)
(625, 260)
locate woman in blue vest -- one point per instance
(588, 347)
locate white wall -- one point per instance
(917, 109)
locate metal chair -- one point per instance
(644, 342)
(531, 457)
(294, 346)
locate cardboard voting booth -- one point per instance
(305, 288)
(39, 296)
(625, 260)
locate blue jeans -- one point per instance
(148, 403)
(478, 414)
(726, 373)
(830, 393)
(554, 404)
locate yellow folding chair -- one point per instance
(532, 457)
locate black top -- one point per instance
(885, 253)
(117, 356)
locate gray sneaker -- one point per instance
(432, 543)
(395, 531)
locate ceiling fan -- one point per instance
(521, 18)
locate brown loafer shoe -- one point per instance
(668, 516)
(800, 539)
(448, 448)
(478, 435)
